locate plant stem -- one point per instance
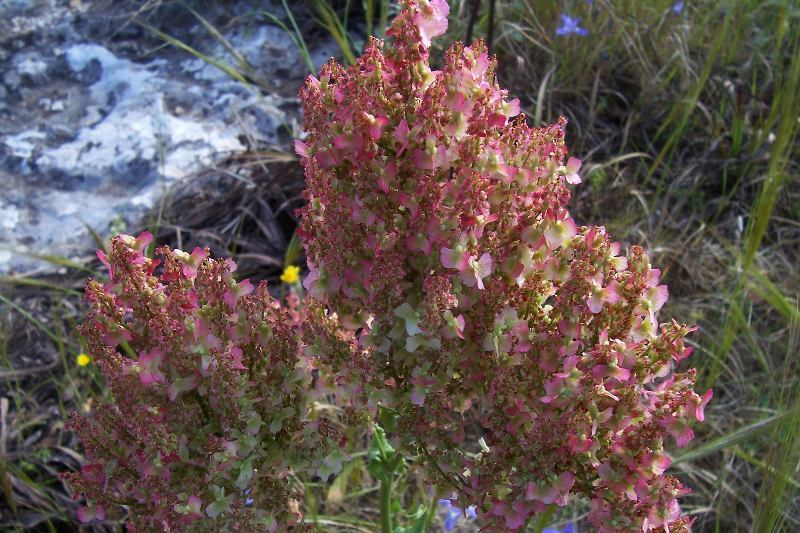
(431, 509)
(386, 503)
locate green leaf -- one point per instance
(255, 423)
(420, 520)
(332, 464)
(245, 475)
(388, 418)
(293, 251)
(384, 461)
(276, 424)
(220, 505)
(376, 469)
(380, 443)
(410, 316)
(395, 463)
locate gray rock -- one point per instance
(93, 136)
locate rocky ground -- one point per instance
(98, 117)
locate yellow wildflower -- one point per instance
(291, 274)
(83, 359)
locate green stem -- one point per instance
(431, 509)
(386, 504)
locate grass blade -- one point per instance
(330, 21)
(177, 43)
(734, 437)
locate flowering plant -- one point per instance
(520, 352)
(208, 418)
(456, 299)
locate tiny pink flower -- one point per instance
(91, 512)
(455, 325)
(311, 282)
(143, 240)
(418, 243)
(236, 357)
(700, 404)
(477, 270)
(318, 283)
(116, 336)
(656, 463)
(602, 296)
(149, 363)
(401, 136)
(560, 232)
(104, 259)
(94, 473)
(579, 443)
(301, 149)
(237, 291)
(139, 243)
(572, 167)
(193, 261)
(513, 519)
(327, 158)
(679, 356)
(662, 516)
(388, 173)
(656, 297)
(653, 277)
(423, 160)
(195, 503)
(554, 491)
(456, 258)
(433, 157)
(376, 125)
(679, 429)
(431, 19)
(511, 108)
(349, 142)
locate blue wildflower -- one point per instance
(569, 528)
(452, 514)
(677, 7)
(571, 25)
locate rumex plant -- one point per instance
(520, 353)
(456, 302)
(208, 421)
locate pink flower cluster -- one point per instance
(208, 410)
(521, 351)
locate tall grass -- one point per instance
(783, 456)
